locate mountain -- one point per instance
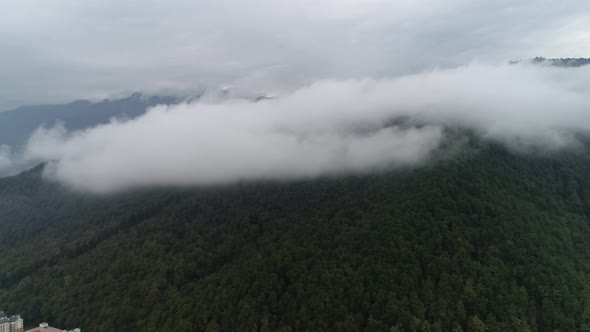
(485, 240)
(560, 62)
(17, 125)
(563, 62)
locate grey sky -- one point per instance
(62, 50)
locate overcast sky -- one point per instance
(61, 50)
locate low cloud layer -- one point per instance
(6, 158)
(329, 127)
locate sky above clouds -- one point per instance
(61, 50)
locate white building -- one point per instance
(10, 324)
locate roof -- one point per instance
(10, 319)
(46, 329)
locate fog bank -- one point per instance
(329, 127)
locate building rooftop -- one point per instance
(11, 319)
(43, 327)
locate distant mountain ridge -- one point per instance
(557, 62)
(17, 125)
(563, 62)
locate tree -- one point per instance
(475, 324)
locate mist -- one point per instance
(6, 159)
(325, 128)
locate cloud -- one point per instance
(69, 49)
(6, 158)
(328, 127)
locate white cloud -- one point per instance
(328, 127)
(344, 69)
(6, 158)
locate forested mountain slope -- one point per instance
(485, 239)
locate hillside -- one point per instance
(486, 239)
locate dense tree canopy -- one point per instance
(483, 240)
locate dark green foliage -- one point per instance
(486, 240)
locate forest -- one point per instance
(483, 240)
